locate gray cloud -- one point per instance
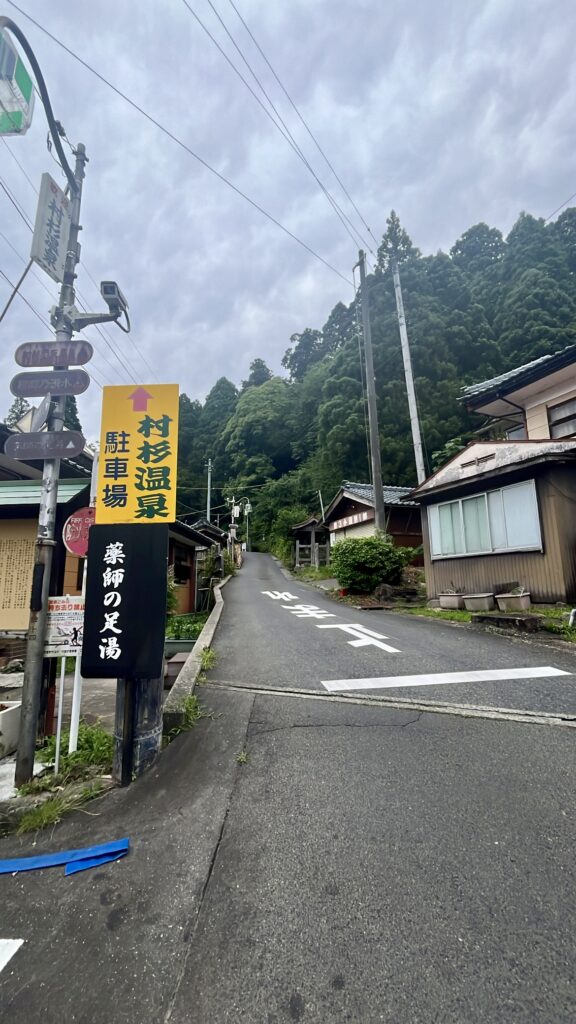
(451, 112)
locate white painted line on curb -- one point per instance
(441, 678)
(7, 949)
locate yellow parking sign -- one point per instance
(138, 454)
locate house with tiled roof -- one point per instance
(351, 514)
(502, 513)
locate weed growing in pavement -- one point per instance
(52, 810)
(208, 659)
(193, 711)
(242, 757)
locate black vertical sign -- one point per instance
(125, 617)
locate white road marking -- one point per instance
(280, 595)
(440, 678)
(308, 611)
(364, 637)
(7, 949)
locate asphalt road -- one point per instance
(360, 864)
(266, 641)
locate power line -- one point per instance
(100, 330)
(46, 289)
(80, 303)
(15, 204)
(281, 123)
(24, 299)
(181, 144)
(130, 338)
(561, 207)
(301, 118)
(16, 160)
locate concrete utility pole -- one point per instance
(45, 542)
(379, 514)
(209, 495)
(414, 422)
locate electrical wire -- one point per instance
(131, 339)
(33, 308)
(187, 149)
(81, 303)
(280, 124)
(561, 207)
(303, 121)
(15, 204)
(99, 328)
(16, 160)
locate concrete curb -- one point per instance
(174, 713)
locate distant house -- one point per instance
(351, 514)
(502, 513)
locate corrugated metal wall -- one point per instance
(549, 576)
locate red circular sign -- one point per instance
(76, 529)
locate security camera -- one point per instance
(113, 297)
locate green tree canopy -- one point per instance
(18, 409)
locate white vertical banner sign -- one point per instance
(51, 229)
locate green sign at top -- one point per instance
(16, 91)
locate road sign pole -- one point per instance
(45, 542)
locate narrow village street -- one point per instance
(323, 856)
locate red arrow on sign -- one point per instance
(139, 399)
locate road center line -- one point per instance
(7, 949)
(441, 678)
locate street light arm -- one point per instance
(7, 23)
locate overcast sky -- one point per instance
(449, 111)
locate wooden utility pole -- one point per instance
(379, 514)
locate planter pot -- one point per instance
(479, 602)
(9, 726)
(451, 600)
(513, 602)
(177, 647)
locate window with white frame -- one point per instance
(505, 519)
(562, 419)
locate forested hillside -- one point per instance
(489, 304)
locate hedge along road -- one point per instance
(279, 633)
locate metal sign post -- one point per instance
(45, 542)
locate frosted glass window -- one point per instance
(450, 529)
(501, 520)
(497, 522)
(476, 532)
(521, 515)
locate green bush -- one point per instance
(360, 565)
(185, 627)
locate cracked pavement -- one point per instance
(366, 864)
